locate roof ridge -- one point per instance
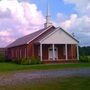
(41, 32)
(31, 33)
(28, 38)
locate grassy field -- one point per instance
(70, 83)
(4, 67)
(48, 83)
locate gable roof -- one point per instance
(41, 38)
(69, 35)
(28, 38)
(58, 28)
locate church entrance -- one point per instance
(51, 53)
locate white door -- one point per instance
(56, 53)
(51, 53)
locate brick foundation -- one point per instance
(58, 61)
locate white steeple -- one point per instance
(48, 17)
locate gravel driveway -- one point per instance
(19, 77)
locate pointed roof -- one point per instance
(48, 10)
(28, 38)
(48, 17)
(36, 36)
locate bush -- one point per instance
(84, 59)
(39, 61)
(23, 61)
(29, 61)
(2, 57)
(35, 61)
(8, 60)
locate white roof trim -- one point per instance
(39, 34)
(57, 30)
(70, 35)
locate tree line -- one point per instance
(85, 51)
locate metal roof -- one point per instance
(28, 38)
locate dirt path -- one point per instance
(20, 77)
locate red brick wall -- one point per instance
(45, 52)
(72, 51)
(30, 50)
(61, 51)
(14, 52)
(35, 53)
(60, 61)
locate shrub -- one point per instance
(2, 57)
(39, 61)
(84, 59)
(35, 60)
(29, 61)
(8, 60)
(23, 61)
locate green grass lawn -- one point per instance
(58, 83)
(4, 67)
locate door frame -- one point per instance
(56, 56)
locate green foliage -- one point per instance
(35, 60)
(84, 59)
(39, 61)
(2, 57)
(10, 66)
(85, 51)
(29, 61)
(23, 61)
(85, 54)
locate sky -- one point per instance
(21, 17)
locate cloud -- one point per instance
(77, 23)
(4, 33)
(81, 6)
(6, 39)
(67, 24)
(18, 19)
(79, 26)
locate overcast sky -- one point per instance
(21, 17)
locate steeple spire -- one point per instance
(48, 10)
(48, 17)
